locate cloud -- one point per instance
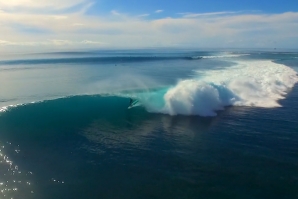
(158, 11)
(144, 15)
(77, 29)
(93, 42)
(53, 4)
(78, 24)
(11, 43)
(114, 12)
(60, 17)
(193, 15)
(54, 42)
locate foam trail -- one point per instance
(224, 56)
(255, 83)
(219, 56)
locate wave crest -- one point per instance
(256, 83)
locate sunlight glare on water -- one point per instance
(13, 181)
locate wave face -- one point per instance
(254, 83)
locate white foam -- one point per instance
(5, 108)
(224, 56)
(255, 83)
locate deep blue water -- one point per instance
(209, 125)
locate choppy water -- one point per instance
(209, 124)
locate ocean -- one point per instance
(211, 124)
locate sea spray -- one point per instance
(249, 83)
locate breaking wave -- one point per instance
(255, 83)
(247, 83)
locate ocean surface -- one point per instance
(207, 124)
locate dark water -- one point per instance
(92, 146)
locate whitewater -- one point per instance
(252, 83)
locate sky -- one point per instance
(82, 24)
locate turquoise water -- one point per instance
(209, 125)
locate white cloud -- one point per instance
(4, 43)
(58, 42)
(59, 17)
(93, 42)
(77, 30)
(114, 12)
(54, 4)
(54, 42)
(193, 15)
(158, 11)
(144, 15)
(78, 24)
(11, 43)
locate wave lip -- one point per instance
(192, 97)
(6, 108)
(254, 83)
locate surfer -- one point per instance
(132, 102)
